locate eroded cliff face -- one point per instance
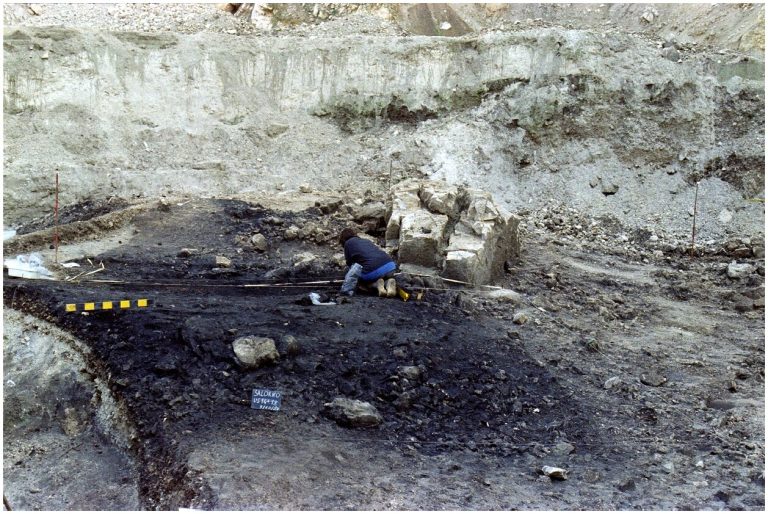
(603, 122)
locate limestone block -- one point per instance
(353, 413)
(422, 237)
(442, 198)
(404, 199)
(366, 211)
(461, 232)
(253, 352)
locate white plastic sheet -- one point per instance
(28, 266)
(315, 297)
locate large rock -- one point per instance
(423, 237)
(254, 352)
(404, 199)
(739, 270)
(373, 210)
(481, 242)
(443, 198)
(461, 232)
(353, 413)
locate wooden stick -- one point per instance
(56, 221)
(693, 230)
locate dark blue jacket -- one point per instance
(363, 252)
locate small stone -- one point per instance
(445, 26)
(305, 188)
(412, 373)
(610, 189)
(699, 464)
(291, 233)
(504, 295)
(670, 53)
(253, 352)
(275, 129)
(627, 486)
(520, 318)
(259, 242)
(223, 262)
(292, 346)
(612, 382)
(652, 379)
(594, 181)
(303, 259)
(736, 270)
(186, 252)
(555, 473)
(352, 413)
(274, 220)
(744, 303)
(668, 467)
(725, 216)
(742, 252)
(563, 448)
(163, 205)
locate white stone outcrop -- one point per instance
(461, 232)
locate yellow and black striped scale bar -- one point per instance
(106, 305)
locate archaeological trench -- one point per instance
(574, 195)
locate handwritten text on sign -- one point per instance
(266, 399)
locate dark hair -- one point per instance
(347, 233)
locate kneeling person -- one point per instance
(370, 266)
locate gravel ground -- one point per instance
(194, 18)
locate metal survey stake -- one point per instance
(693, 230)
(56, 220)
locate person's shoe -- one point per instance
(381, 288)
(391, 288)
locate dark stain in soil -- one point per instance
(173, 366)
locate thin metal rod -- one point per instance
(693, 230)
(56, 221)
